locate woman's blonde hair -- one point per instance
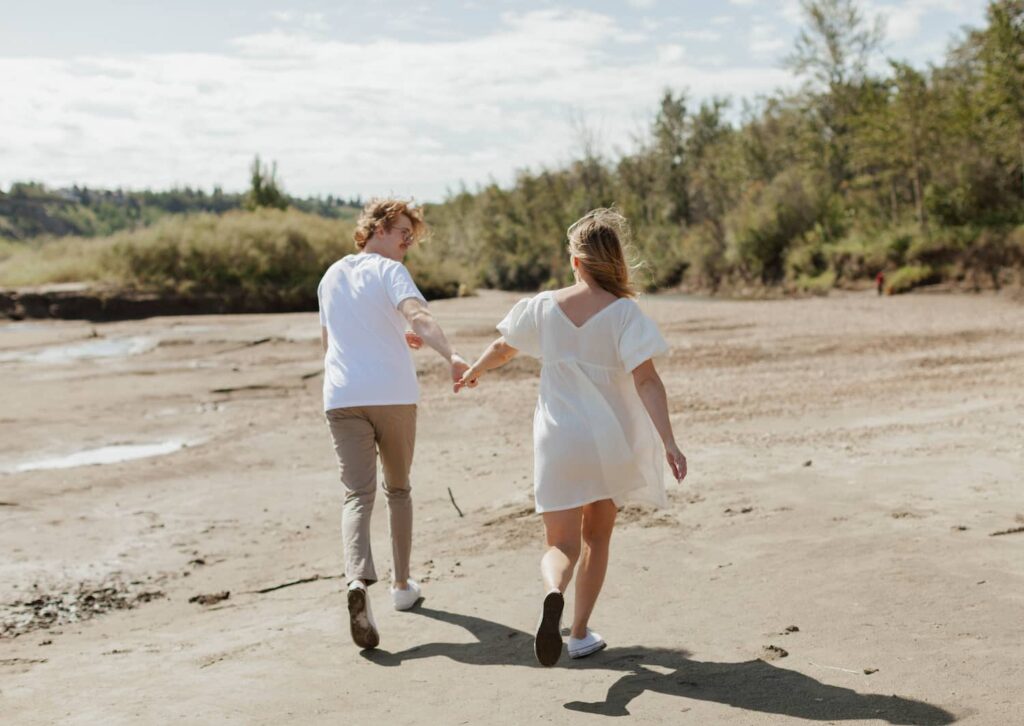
(598, 240)
(382, 214)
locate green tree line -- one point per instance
(916, 172)
(30, 209)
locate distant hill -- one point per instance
(30, 209)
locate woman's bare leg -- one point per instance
(598, 522)
(562, 531)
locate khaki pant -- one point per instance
(359, 433)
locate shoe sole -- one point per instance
(547, 645)
(583, 653)
(363, 633)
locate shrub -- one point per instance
(907, 278)
(806, 259)
(703, 251)
(993, 253)
(658, 255)
(818, 284)
(267, 256)
(771, 217)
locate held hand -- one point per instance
(676, 461)
(459, 368)
(469, 379)
(413, 341)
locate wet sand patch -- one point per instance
(112, 454)
(90, 349)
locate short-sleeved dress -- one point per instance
(592, 436)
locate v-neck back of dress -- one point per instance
(584, 324)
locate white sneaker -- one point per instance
(582, 647)
(405, 599)
(360, 619)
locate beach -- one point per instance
(847, 547)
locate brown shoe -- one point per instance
(360, 619)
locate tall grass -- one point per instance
(271, 256)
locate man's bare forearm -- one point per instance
(427, 328)
(424, 325)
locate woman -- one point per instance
(600, 413)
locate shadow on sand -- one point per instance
(752, 685)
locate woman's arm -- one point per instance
(497, 354)
(652, 392)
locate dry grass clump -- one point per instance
(267, 255)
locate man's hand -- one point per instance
(413, 341)
(458, 368)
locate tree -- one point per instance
(915, 131)
(833, 51)
(264, 188)
(1002, 53)
(836, 45)
(670, 132)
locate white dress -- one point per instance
(592, 436)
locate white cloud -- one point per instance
(792, 11)
(701, 36)
(307, 21)
(766, 41)
(641, 4)
(375, 116)
(671, 53)
(903, 20)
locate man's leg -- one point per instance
(396, 438)
(354, 444)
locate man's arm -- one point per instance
(422, 322)
(323, 337)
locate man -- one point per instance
(370, 393)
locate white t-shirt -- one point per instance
(368, 362)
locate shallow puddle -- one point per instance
(19, 327)
(98, 348)
(103, 455)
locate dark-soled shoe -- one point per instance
(547, 645)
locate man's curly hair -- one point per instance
(382, 214)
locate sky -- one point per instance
(364, 98)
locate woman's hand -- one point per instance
(413, 341)
(676, 461)
(469, 379)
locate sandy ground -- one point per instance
(829, 558)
